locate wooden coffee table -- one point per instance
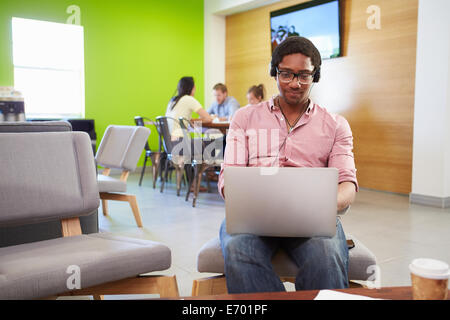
(392, 293)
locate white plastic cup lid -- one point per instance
(430, 268)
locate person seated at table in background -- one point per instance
(183, 105)
(225, 106)
(255, 94)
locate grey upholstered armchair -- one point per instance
(52, 177)
(210, 260)
(361, 269)
(13, 235)
(120, 148)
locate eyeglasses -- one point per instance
(302, 77)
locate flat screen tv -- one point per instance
(317, 20)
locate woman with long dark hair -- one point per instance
(183, 104)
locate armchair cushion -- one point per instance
(40, 269)
(109, 184)
(210, 259)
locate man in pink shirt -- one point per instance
(290, 130)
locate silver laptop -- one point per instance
(281, 202)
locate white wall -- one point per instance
(228, 7)
(215, 12)
(214, 50)
(431, 146)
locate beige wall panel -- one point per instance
(372, 85)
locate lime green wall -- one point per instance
(135, 52)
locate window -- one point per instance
(48, 62)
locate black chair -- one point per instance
(206, 154)
(156, 156)
(85, 125)
(173, 147)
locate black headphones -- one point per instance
(273, 73)
(317, 75)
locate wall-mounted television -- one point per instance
(317, 20)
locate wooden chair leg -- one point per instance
(209, 286)
(134, 207)
(131, 199)
(165, 286)
(105, 207)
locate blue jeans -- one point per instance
(322, 261)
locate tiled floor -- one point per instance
(393, 229)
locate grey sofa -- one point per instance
(52, 176)
(44, 230)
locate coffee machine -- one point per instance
(12, 107)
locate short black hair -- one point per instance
(295, 44)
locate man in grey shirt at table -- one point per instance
(225, 106)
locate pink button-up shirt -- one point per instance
(258, 137)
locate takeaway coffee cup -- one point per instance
(429, 279)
